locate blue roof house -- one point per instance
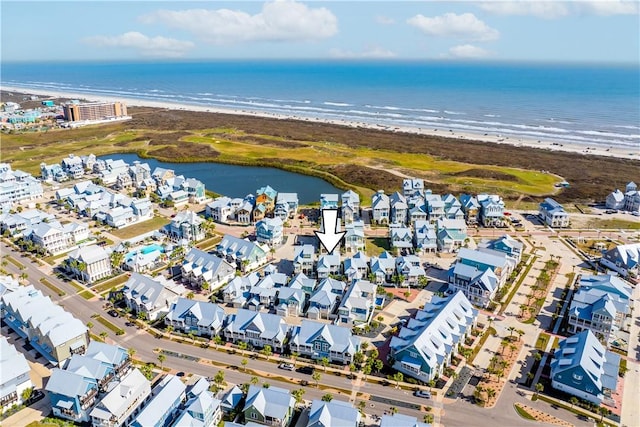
(583, 367)
(318, 340)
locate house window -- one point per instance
(577, 377)
(254, 415)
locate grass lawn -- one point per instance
(542, 341)
(111, 283)
(524, 414)
(154, 223)
(86, 295)
(53, 287)
(109, 325)
(15, 262)
(608, 224)
(375, 245)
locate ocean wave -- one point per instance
(453, 113)
(337, 104)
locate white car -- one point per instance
(286, 366)
(422, 393)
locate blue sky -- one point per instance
(529, 30)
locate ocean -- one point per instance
(573, 103)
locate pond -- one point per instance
(238, 181)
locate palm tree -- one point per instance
(520, 333)
(397, 377)
(254, 380)
(103, 335)
(511, 330)
(297, 395)
(131, 352)
(573, 400)
(328, 397)
(490, 393)
(539, 387)
(169, 329)
(512, 348)
(324, 362)
(267, 351)
(294, 357)
(161, 359)
(316, 377)
(244, 363)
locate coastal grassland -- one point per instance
(362, 159)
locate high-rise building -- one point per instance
(93, 111)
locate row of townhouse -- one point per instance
(14, 224)
(428, 342)
(89, 263)
(481, 272)
(552, 214)
(47, 327)
(71, 166)
(254, 208)
(601, 304)
(15, 377)
(102, 388)
(623, 259)
(416, 203)
(55, 238)
(16, 186)
(102, 204)
(151, 296)
(447, 235)
(627, 201)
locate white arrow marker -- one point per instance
(331, 237)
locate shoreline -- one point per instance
(548, 145)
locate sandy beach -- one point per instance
(492, 138)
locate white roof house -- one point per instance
(318, 340)
(200, 267)
(166, 398)
(151, 295)
(333, 414)
(14, 375)
(117, 405)
(197, 316)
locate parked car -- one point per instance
(305, 370)
(113, 313)
(286, 366)
(422, 393)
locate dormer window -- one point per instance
(577, 377)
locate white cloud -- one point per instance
(468, 51)
(559, 9)
(373, 52)
(464, 26)
(277, 21)
(541, 9)
(385, 20)
(149, 46)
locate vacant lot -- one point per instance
(152, 224)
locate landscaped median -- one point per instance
(529, 413)
(104, 322)
(53, 287)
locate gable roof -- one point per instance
(340, 339)
(333, 414)
(272, 402)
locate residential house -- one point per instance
(357, 266)
(328, 265)
(151, 296)
(602, 305)
(245, 211)
(399, 208)
(286, 206)
(301, 281)
(383, 267)
(501, 264)
(139, 173)
(354, 239)
(201, 268)
(121, 405)
(166, 398)
(356, 308)
(505, 244)
(270, 231)
(451, 234)
(257, 329)
(324, 301)
(478, 285)
(380, 207)
(247, 255)
(615, 200)
(350, 209)
(14, 224)
(471, 208)
(162, 175)
(199, 317)
(236, 292)
(72, 395)
(627, 201)
(16, 186)
(424, 237)
(15, 377)
(583, 367)
(427, 343)
(400, 237)
(553, 214)
(53, 172)
(120, 217)
(435, 207)
(195, 189)
(400, 420)
(231, 400)
(220, 210)
(290, 302)
(319, 340)
(271, 406)
(201, 408)
(89, 263)
(333, 413)
(263, 294)
(328, 201)
(452, 207)
(51, 236)
(412, 187)
(623, 259)
(51, 331)
(266, 196)
(410, 269)
(303, 259)
(418, 213)
(491, 210)
(186, 225)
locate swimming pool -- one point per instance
(145, 250)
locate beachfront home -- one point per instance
(424, 237)
(286, 206)
(220, 210)
(399, 208)
(491, 210)
(412, 187)
(553, 214)
(380, 207)
(89, 263)
(505, 244)
(318, 340)
(303, 259)
(266, 196)
(53, 172)
(51, 331)
(15, 375)
(451, 234)
(409, 269)
(356, 308)
(333, 413)
(383, 267)
(471, 208)
(627, 201)
(206, 271)
(257, 329)
(185, 225)
(201, 318)
(427, 343)
(245, 254)
(122, 403)
(623, 259)
(583, 367)
(151, 296)
(601, 304)
(270, 231)
(271, 406)
(350, 209)
(328, 265)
